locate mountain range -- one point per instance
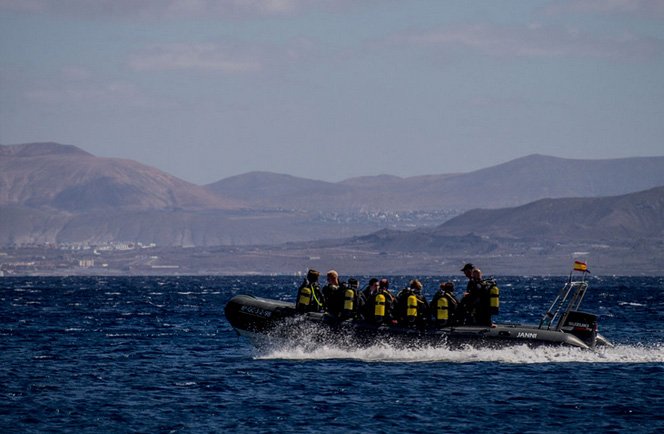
(52, 193)
(50, 176)
(510, 184)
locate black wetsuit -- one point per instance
(402, 306)
(317, 300)
(334, 299)
(369, 311)
(475, 308)
(357, 299)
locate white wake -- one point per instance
(516, 354)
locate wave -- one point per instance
(509, 355)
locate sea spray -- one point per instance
(521, 354)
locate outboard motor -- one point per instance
(583, 326)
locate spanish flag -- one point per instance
(581, 266)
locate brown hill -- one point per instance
(605, 220)
(277, 191)
(57, 193)
(616, 235)
(619, 234)
(65, 178)
(514, 183)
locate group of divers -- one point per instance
(375, 304)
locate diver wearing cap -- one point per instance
(476, 305)
(468, 272)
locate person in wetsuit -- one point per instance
(333, 294)
(444, 305)
(309, 295)
(371, 288)
(353, 299)
(379, 306)
(417, 313)
(468, 272)
(475, 306)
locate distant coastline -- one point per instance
(271, 260)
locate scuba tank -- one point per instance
(494, 300)
(379, 308)
(349, 301)
(303, 299)
(411, 309)
(442, 311)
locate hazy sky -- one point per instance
(331, 89)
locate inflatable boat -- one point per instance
(266, 323)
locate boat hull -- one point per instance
(268, 323)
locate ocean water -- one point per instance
(156, 355)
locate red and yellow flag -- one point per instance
(581, 266)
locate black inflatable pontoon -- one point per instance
(267, 322)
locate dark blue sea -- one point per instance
(156, 355)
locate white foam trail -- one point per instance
(516, 354)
